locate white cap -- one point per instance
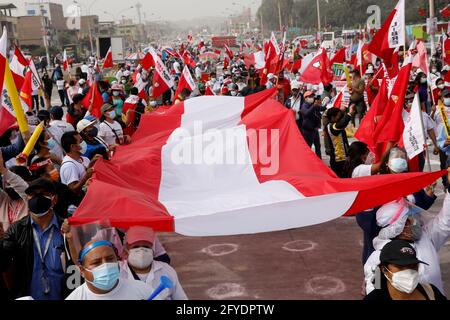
(83, 124)
(81, 82)
(295, 85)
(126, 73)
(391, 212)
(270, 76)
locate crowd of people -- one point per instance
(37, 245)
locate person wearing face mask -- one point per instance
(399, 277)
(422, 83)
(75, 169)
(110, 130)
(13, 205)
(35, 245)
(437, 94)
(54, 132)
(99, 267)
(95, 145)
(140, 264)
(295, 101)
(117, 99)
(401, 220)
(311, 120)
(43, 146)
(44, 168)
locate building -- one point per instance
(129, 32)
(29, 31)
(89, 23)
(53, 11)
(106, 29)
(10, 22)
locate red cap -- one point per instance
(139, 233)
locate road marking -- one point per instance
(299, 246)
(225, 291)
(325, 285)
(217, 250)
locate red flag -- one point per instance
(446, 11)
(188, 60)
(446, 49)
(93, 97)
(17, 66)
(25, 91)
(422, 12)
(186, 81)
(370, 121)
(162, 80)
(391, 35)
(228, 51)
(65, 61)
(108, 63)
(217, 51)
(182, 49)
(318, 70)
(147, 62)
(392, 65)
(420, 60)
(339, 56)
(226, 62)
(208, 91)
(391, 125)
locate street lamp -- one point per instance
(110, 14)
(88, 13)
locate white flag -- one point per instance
(413, 134)
(396, 37)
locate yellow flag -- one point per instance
(347, 76)
(14, 96)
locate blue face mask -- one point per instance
(398, 165)
(105, 276)
(51, 143)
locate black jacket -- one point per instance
(17, 248)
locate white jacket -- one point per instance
(153, 279)
(435, 234)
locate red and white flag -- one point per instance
(26, 91)
(162, 79)
(108, 63)
(228, 51)
(183, 147)
(391, 35)
(65, 61)
(420, 60)
(186, 81)
(36, 82)
(318, 70)
(95, 98)
(147, 62)
(188, 59)
(18, 65)
(446, 48)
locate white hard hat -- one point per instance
(295, 85)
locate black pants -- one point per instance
(312, 137)
(367, 221)
(361, 109)
(443, 160)
(35, 102)
(62, 96)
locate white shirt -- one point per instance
(435, 234)
(363, 170)
(63, 125)
(428, 123)
(60, 84)
(177, 67)
(125, 290)
(153, 279)
(107, 134)
(72, 170)
(119, 75)
(56, 133)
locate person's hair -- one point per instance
(331, 113)
(68, 139)
(72, 82)
(39, 172)
(328, 87)
(419, 76)
(356, 72)
(185, 92)
(40, 140)
(22, 172)
(356, 150)
(5, 138)
(77, 98)
(43, 115)
(57, 113)
(134, 91)
(384, 169)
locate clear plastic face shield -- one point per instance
(398, 162)
(94, 232)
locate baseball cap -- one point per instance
(308, 93)
(106, 107)
(41, 183)
(81, 82)
(295, 85)
(399, 252)
(140, 233)
(83, 124)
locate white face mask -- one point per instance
(398, 165)
(404, 281)
(83, 146)
(423, 80)
(309, 100)
(447, 102)
(441, 86)
(140, 258)
(116, 93)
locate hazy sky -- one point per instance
(161, 9)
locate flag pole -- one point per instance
(427, 154)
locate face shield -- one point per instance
(397, 162)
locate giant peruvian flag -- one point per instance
(186, 81)
(391, 35)
(162, 80)
(215, 166)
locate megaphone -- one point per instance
(166, 283)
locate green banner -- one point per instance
(338, 69)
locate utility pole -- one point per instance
(44, 34)
(433, 49)
(318, 16)
(138, 9)
(279, 15)
(262, 24)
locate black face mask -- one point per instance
(93, 133)
(39, 205)
(12, 194)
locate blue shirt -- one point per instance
(52, 263)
